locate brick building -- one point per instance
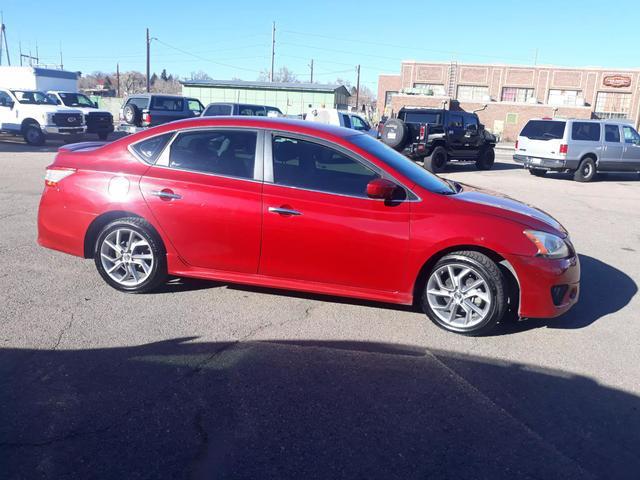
(512, 93)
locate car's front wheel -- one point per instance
(486, 160)
(466, 293)
(129, 256)
(33, 135)
(437, 161)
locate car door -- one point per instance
(8, 119)
(472, 137)
(318, 223)
(611, 156)
(631, 151)
(164, 109)
(455, 135)
(205, 193)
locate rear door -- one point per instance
(456, 135)
(613, 147)
(164, 109)
(205, 192)
(631, 152)
(542, 138)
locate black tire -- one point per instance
(103, 136)
(538, 172)
(486, 160)
(33, 135)
(586, 171)
(158, 270)
(132, 114)
(497, 289)
(437, 161)
(395, 133)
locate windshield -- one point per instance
(75, 100)
(543, 130)
(431, 118)
(403, 165)
(32, 98)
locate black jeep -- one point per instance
(438, 136)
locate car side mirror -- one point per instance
(381, 188)
(95, 104)
(473, 128)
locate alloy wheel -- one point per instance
(126, 257)
(459, 295)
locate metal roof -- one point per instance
(297, 86)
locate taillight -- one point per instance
(564, 149)
(146, 117)
(55, 175)
(516, 144)
(422, 132)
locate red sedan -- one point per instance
(302, 206)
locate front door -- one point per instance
(631, 153)
(7, 113)
(456, 135)
(611, 155)
(319, 225)
(206, 194)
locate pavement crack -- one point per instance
(64, 330)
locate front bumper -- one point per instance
(548, 287)
(55, 130)
(545, 163)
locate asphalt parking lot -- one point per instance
(208, 380)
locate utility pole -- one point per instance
(535, 57)
(148, 62)
(358, 87)
(3, 40)
(273, 50)
(118, 80)
(61, 64)
(20, 50)
(311, 67)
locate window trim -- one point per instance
(268, 165)
(620, 134)
(159, 156)
(258, 166)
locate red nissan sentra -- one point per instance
(302, 206)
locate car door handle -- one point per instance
(283, 211)
(166, 194)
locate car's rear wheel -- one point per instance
(437, 161)
(538, 172)
(486, 160)
(586, 171)
(465, 293)
(129, 256)
(33, 135)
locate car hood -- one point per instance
(87, 110)
(508, 207)
(47, 109)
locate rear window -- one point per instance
(169, 104)
(150, 148)
(422, 117)
(543, 130)
(252, 110)
(217, 110)
(140, 102)
(588, 131)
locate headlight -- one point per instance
(549, 245)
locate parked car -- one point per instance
(242, 109)
(303, 206)
(150, 109)
(438, 136)
(581, 147)
(96, 120)
(35, 116)
(341, 118)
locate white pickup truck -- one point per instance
(96, 120)
(34, 115)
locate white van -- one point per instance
(582, 147)
(340, 118)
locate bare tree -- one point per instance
(200, 75)
(283, 74)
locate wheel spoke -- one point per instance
(439, 293)
(131, 241)
(115, 266)
(118, 239)
(115, 248)
(452, 313)
(134, 272)
(142, 256)
(475, 284)
(461, 275)
(440, 282)
(452, 276)
(473, 307)
(478, 294)
(107, 257)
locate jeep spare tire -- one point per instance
(132, 114)
(395, 133)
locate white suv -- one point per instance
(34, 115)
(582, 147)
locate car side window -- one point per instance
(455, 121)
(588, 131)
(223, 152)
(630, 135)
(150, 148)
(5, 99)
(169, 104)
(358, 124)
(303, 164)
(195, 106)
(611, 133)
(346, 121)
(470, 120)
(218, 110)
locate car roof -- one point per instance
(280, 123)
(621, 121)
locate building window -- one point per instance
(512, 94)
(387, 97)
(564, 97)
(430, 89)
(472, 93)
(612, 105)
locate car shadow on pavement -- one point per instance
(454, 167)
(305, 409)
(603, 290)
(600, 177)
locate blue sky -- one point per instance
(233, 39)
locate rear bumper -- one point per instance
(546, 163)
(548, 288)
(100, 128)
